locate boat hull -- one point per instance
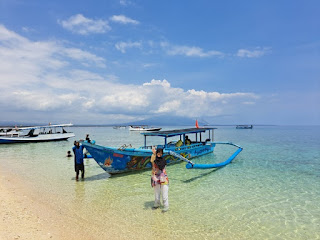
(38, 138)
(144, 129)
(115, 160)
(244, 127)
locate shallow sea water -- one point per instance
(270, 191)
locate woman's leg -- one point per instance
(165, 199)
(157, 191)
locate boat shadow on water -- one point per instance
(146, 172)
(201, 175)
(98, 177)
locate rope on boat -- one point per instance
(191, 165)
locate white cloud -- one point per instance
(154, 82)
(24, 61)
(123, 19)
(28, 29)
(123, 46)
(126, 3)
(6, 35)
(255, 53)
(188, 51)
(194, 51)
(29, 68)
(42, 78)
(80, 55)
(127, 99)
(148, 65)
(169, 107)
(84, 26)
(216, 96)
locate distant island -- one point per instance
(163, 120)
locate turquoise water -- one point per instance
(270, 191)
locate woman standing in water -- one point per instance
(159, 179)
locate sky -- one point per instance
(117, 61)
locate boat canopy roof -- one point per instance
(176, 132)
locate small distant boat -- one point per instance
(37, 134)
(143, 128)
(129, 159)
(118, 127)
(244, 126)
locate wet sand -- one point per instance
(24, 216)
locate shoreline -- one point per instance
(24, 216)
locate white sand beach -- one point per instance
(23, 216)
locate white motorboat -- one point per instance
(144, 128)
(37, 134)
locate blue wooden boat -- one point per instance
(128, 159)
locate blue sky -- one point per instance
(116, 61)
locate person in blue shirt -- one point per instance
(78, 160)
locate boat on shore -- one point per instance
(180, 148)
(244, 126)
(143, 128)
(37, 134)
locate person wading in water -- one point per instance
(78, 160)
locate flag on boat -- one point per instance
(197, 125)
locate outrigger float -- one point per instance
(128, 159)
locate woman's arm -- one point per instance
(153, 156)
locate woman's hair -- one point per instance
(159, 150)
(160, 161)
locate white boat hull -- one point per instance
(145, 129)
(38, 138)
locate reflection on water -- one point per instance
(202, 174)
(79, 191)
